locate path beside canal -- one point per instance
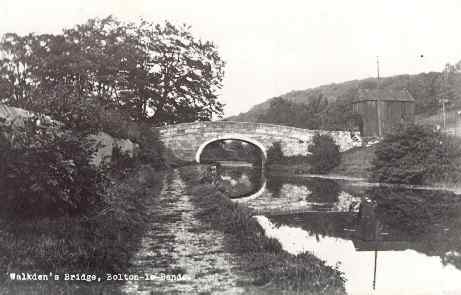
(178, 243)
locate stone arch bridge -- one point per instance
(187, 140)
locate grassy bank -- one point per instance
(354, 163)
(262, 258)
(98, 243)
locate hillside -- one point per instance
(426, 88)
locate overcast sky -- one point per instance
(272, 47)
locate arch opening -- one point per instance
(239, 164)
(242, 139)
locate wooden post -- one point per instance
(376, 262)
(377, 99)
(379, 117)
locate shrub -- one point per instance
(325, 154)
(46, 171)
(274, 153)
(416, 154)
(151, 150)
(98, 242)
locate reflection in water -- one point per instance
(239, 181)
(310, 195)
(399, 241)
(398, 272)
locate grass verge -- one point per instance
(259, 256)
(354, 163)
(99, 243)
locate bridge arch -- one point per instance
(252, 141)
(186, 141)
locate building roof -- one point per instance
(384, 94)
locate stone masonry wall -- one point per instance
(185, 140)
(105, 142)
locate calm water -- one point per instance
(403, 242)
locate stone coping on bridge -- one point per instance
(187, 140)
(244, 125)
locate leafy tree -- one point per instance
(325, 154)
(337, 116)
(425, 88)
(16, 59)
(278, 113)
(179, 76)
(274, 153)
(318, 113)
(82, 62)
(416, 155)
(282, 111)
(155, 73)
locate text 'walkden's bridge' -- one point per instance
(187, 140)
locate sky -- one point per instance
(273, 47)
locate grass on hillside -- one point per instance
(100, 243)
(259, 256)
(355, 162)
(452, 118)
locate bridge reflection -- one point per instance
(376, 249)
(240, 181)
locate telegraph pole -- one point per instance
(377, 68)
(378, 100)
(445, 97)
(375, 266)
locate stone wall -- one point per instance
(186, 141)
(105, 142)
(106, 145)
(12, 115)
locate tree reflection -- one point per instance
(415, 212)
(428, 222)
(430, 219)
(323, 190)
(240, 181)
(274, 186)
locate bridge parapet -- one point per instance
(233, 125)
(187, 140)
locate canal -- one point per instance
(384, 240)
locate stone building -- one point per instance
(379, 111)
